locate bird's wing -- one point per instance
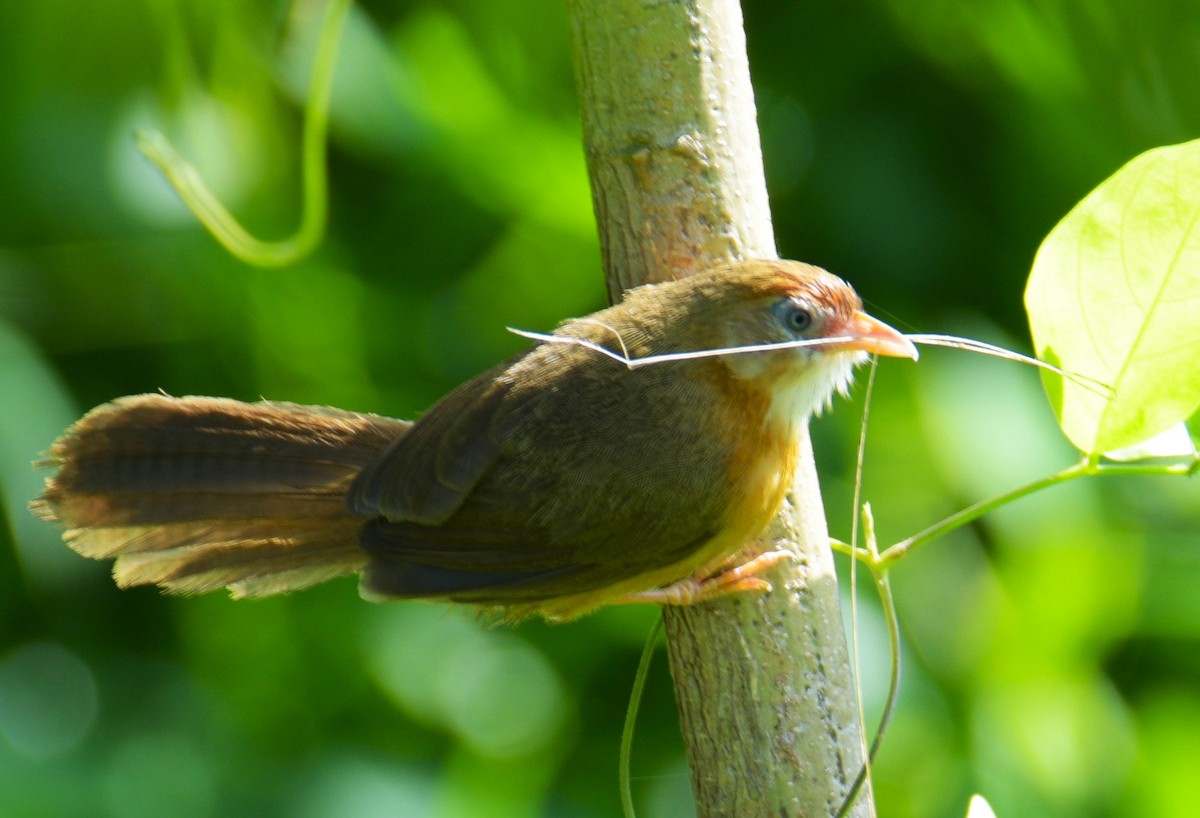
(493, 564)
(505, 491)
(427, 474)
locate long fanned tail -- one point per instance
(196, 494)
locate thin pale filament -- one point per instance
(984, 348)
(634, 363)
(928, 339)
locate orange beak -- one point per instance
(862, 332)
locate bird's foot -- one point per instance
(703, 587)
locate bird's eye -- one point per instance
(795, 314)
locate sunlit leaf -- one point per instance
(1114, 295)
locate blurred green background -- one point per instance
(922, 149)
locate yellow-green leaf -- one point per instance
(1114, 295)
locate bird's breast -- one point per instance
(760, 481)
(763, 450)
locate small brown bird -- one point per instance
(553, 483)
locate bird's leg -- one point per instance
(706, 585)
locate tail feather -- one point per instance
(240, 564)
(195, 494)
(99, 507)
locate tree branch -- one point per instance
(763, 683)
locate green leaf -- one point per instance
(1114, 295)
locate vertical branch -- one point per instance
(763, 681)
(671, 137)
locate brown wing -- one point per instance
(540, 478)
(426, 475)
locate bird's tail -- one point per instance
(196, 494)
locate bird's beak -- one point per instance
(862, 332)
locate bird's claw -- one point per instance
(704, 587)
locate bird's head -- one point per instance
(768, 302)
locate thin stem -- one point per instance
(635, 700)
(1183, 468)
(851, 550)
(974, 512)
(1089, 466)
(888, 602)
(868, 530)
(226, 229)
(880, 563)
(870, 555)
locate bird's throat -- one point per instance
(800, 393)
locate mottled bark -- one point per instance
(763, 682)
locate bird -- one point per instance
(560, 480)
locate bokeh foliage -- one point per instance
(921, 149)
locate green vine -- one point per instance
(226, 229)
(1088, 467)
(880, 563)
(888, 603)
(635, 700)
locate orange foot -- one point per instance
(703, 587)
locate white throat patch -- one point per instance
(812, 389)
